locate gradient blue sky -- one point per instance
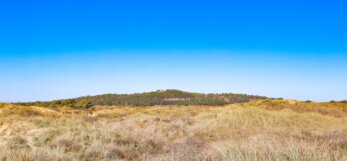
(62, 49)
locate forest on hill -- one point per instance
(159, 97)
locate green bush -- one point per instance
(149, 104)
(84, 103)
(343, 101)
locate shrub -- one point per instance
(68, 102)
(84, 103)
(343, 101)
(56, 103)
(149, 104)
(37, 103)
(100, 103)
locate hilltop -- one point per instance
(159, 97)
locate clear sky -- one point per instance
(62, 48)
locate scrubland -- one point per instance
(258, 130)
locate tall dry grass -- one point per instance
(261, 130)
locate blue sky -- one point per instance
(62, 49)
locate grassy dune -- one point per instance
(259, 130)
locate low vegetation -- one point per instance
(257, 130)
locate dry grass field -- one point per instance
(259, 130)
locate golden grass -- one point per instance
(260, 130)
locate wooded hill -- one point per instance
(170, 97)
(159, 97)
